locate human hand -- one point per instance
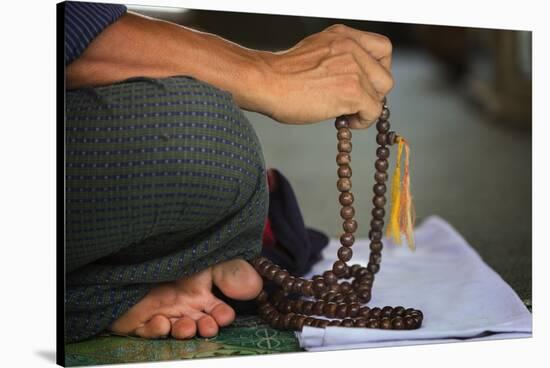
(339, 71)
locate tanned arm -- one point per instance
(334, 72)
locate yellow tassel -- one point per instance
(402, 216)
(392, 229)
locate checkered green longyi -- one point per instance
(164, 177)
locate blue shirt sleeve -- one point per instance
(83, 22)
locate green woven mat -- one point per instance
(248, 335)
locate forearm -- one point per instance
(140, 46)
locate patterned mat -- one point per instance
(248, 335)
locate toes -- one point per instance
(156, 327)
(237, 279)
(184, 328)
(222, 313)
(207, 326)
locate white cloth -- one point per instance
(460, 296)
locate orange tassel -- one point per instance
(402, 215)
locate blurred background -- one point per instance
(462, 97)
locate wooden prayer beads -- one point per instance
(342, 302)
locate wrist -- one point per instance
(258, 81)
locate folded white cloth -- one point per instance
(460, 296)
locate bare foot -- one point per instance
(187, 307)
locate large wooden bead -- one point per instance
(376, 224)
(375, 258)
(265, 309)
(373, 323)
(385, 323)
(374, 268)
(398, 311)
(378, 213)
(344, 145)
(379, 189)
(286, 322)
(307, 288)
(347, 273)
(348, 322)
(385, 115)
(341, 310)
(368, 277)
(387, 311)
(364, 285)
(330, 310)
(375, 312)
(343, 158)
(351, 298)
(380, 177)
(257, 262)
(376, 246)
(272, 271)
(364, 312)
(298, 306)
(398, 323)
(383, 153)
(288, 284)
(264, 267)
(345, 254)
(344, 171)
(381, 139)
(344, 184)
(275, 320)
(347, 212)
(383, 126)
(375, 235)
(286, 307)
(353, 270)
(344, 133)
(329, 277)
(322, 323)
(362, 272)
(347, 239)
(299, 322)
(353, 309)
(364, 296)
(339, 268)
(361, 322)
(381, 165)
(346, 199)
(307, 307)
(294, 322)
(280, 276)
(411, 323)
(334, 322)
(298, 283)
(379, 201)
(345, 287)
(318, 308)
(341, 122)
(350, 226)
(319, 285)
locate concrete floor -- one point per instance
(471, 171)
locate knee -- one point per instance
(220, 145)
